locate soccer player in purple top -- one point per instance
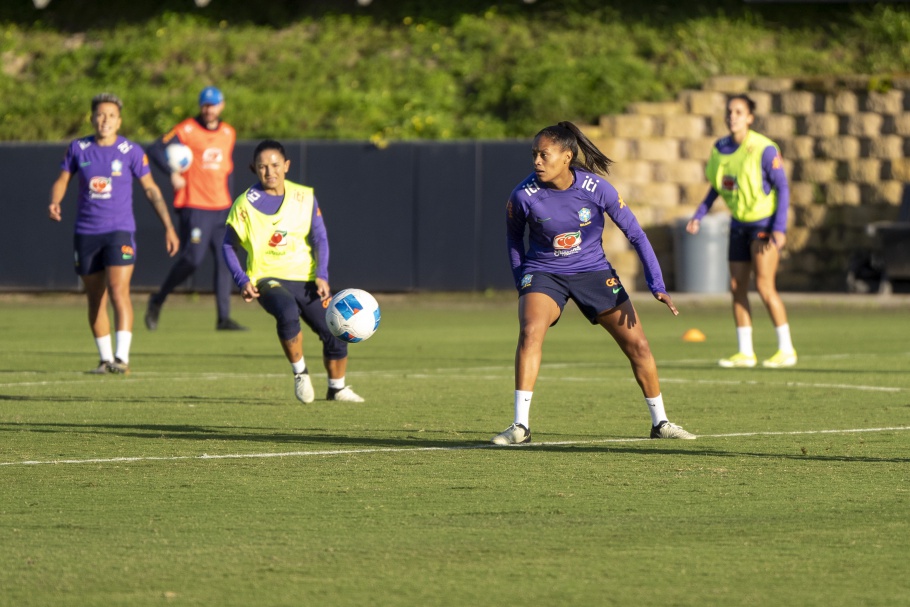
(746, 170)
(279, 225)
(562, 206)
(104, 243)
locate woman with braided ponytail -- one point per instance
(562, 205)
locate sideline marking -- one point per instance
(205, 456)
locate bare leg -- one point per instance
(536, 312)
(766, 259)
(624, 326)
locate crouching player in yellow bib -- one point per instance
(279, 225)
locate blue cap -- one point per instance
(210, 96)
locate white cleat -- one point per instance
(344, 394)
(738, 360)
(303, 388)
(516, 434)
(667, 430)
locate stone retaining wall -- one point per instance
(846, 149)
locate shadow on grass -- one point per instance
(332, 440)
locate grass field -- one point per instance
(199, 480)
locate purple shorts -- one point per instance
(593, 292)
(94, 252)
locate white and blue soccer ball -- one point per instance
(179, 157)
(353, 315)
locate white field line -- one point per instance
(205, 456)
(500, 373)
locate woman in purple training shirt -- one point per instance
(562, 206)
(104, 244)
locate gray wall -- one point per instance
(412, 216)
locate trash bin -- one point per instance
(701, 259)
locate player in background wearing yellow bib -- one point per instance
(746, 170)
(279, 225)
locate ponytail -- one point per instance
(571, 138)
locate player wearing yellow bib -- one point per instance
(279, 225)
(746, 170)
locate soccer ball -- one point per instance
(179, 157)
(352, 315)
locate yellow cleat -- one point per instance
(780, 360)
(738, 360)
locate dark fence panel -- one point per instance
(410, 216)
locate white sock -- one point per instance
(299, 366)
(744, 337)
(784, 343)
(105, 350)
(336, 384)
(124, 340)
(523, 407)
(656, 409)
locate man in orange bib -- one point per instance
(202, 199)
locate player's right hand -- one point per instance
(693, 226)
(53, 211)
(178, 181)
(249, 292)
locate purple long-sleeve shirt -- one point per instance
(268, 204)
(566, 228)
(773, 177)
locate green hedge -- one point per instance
(392, 71)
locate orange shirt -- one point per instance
(207, 178)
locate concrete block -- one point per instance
(681, 172)
(731, 85)
(656, 108)
(775, 126)
(842, 102)
(692, 194)
(812, 216)
(897, 169)
(891, 102)
(615, 148)
(717, 126)
(799, 103)
(816, 171)
(860, 170)
(685, 126)
(839, 148)
(628, 125)
(654, 195)
(798, 238)
(696, 149)
(885, 147)
(842, 192)
(655, 148)
(883, 192)
(772, 85)
(704, 103)
(864, 124)
(763, 102)
(804, 193)
(797, 148)
(633, 171)
(897, 124)
(818, 125)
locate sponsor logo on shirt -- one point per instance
(526, 280)
(728, 183)
(532, 188)
(567, 243)
(100, 188)
(590, 184)
(279, 239)
(211, 158)
(124, 147)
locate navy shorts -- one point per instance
(200, 231)
(593, 292)
(289, 301)
(94, 252)
(741, 239)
